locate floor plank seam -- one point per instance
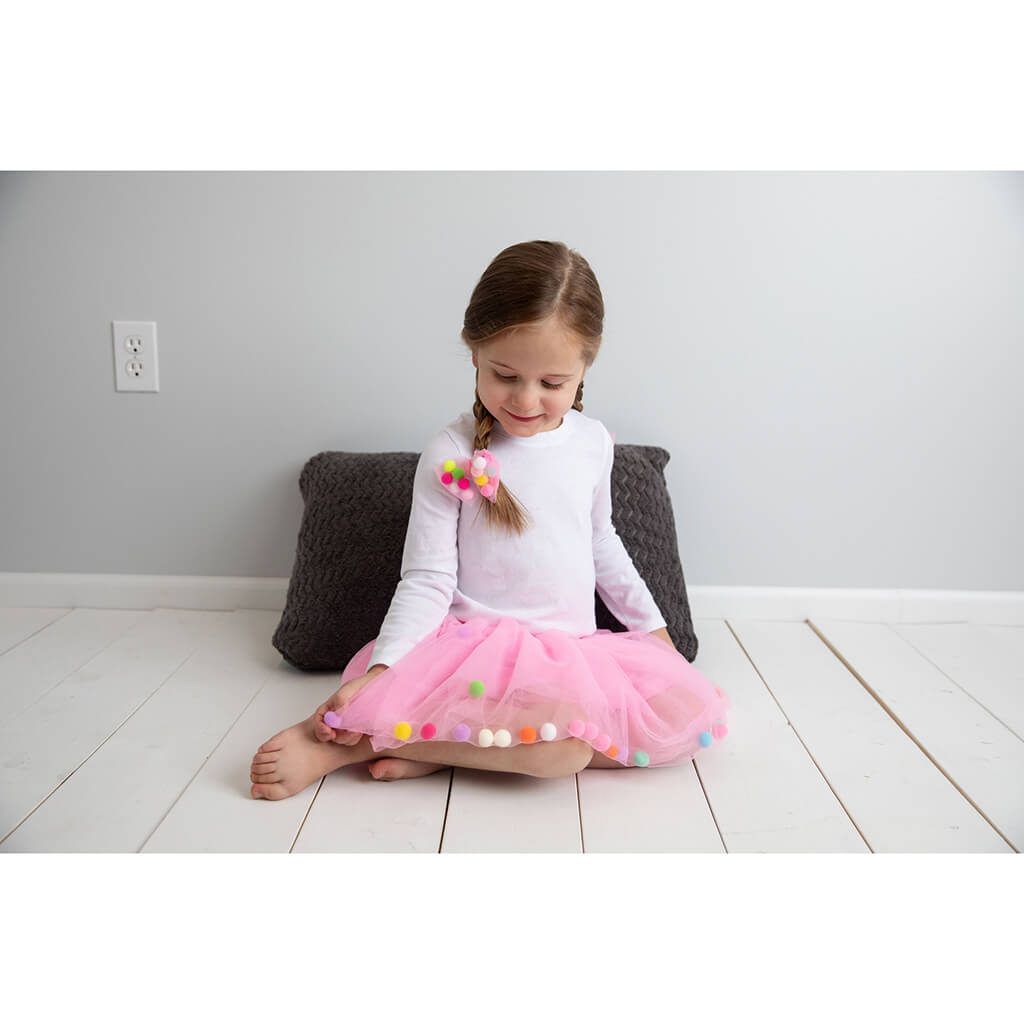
(92, 753)
(920, 746)
(447, 804)
(800, 738)
(66, 677)
(962, 689)
(707, 799)
(25, 639)
(298, 832)
(195, 774)
(4, 839)
(579, 811)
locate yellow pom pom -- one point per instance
(449, 465)
(481, 480)
(403, 731)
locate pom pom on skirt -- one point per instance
(491, 682)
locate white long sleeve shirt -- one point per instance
(454, 563)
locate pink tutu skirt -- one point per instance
(495, 683)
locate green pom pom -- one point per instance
(476, 688)
(641, 758)
(458, 474)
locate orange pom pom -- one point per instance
(527, 734)
(612, 751)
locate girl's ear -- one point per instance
(475, 363)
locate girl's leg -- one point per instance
(390, 768)
(544, 760)
(294, 758)
(600, 761)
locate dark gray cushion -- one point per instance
(348, 561)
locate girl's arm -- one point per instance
(663, 634)
(619, 584)
(430, 559)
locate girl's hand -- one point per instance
(336, 703)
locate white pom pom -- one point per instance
(485, 737)
(548, 731)
(502, 738)
(479, 465)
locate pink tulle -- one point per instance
(628, 694)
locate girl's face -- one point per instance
(528, 377)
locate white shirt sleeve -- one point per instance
(430, 560)
(619, 584)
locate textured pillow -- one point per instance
(642, 517)
(348, 560)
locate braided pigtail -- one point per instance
(505, 510)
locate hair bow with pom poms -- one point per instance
(465, 476)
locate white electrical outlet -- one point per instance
(135, 362)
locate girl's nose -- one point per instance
(527, 398)
(526, 408)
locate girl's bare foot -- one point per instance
(390, 768)
(288, 762)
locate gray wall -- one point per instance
(833, 359)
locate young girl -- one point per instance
(489, 657)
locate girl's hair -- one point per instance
(526, 284)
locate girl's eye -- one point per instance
(554, 387)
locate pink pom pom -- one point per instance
(429, 731)
(464, 483)
(332, 720)
(602, 742)
(446, 478)
(718, 731)
(590, 732)
(576, 727)
(487, 490)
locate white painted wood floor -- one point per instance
(124, 731)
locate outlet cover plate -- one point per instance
(135, 356)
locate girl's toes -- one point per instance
(275, 742)
(265, 792)
(383, 769)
